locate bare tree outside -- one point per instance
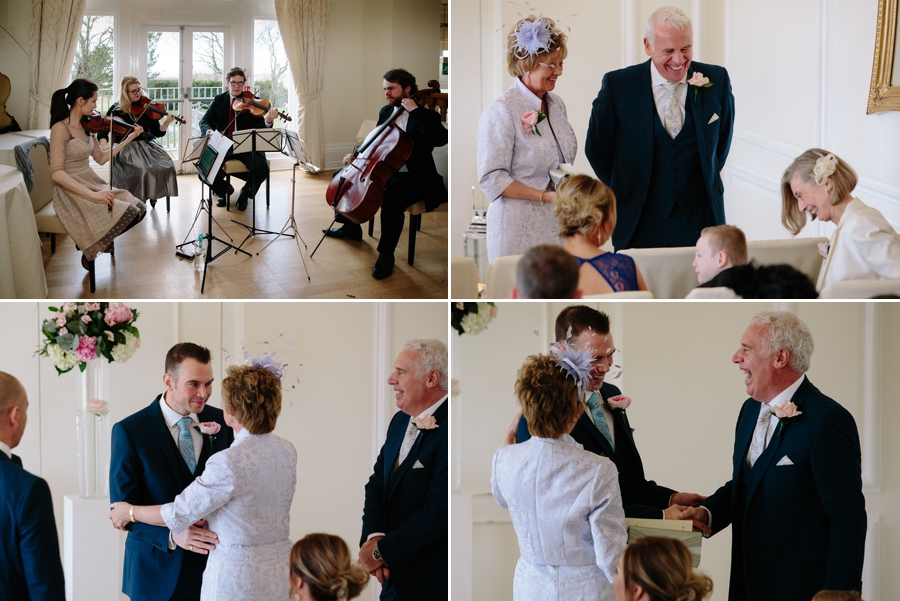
(271, 64)
(94, 54)
(153, 53)
(209, 52)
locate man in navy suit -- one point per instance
(641, 498)
(660, 142)
(404, 536)
(795, 499)
(30, 569)
(417, 180)
(156, 453)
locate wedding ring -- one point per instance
(192, 548)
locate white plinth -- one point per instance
(92, 551)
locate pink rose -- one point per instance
(86, 350)
(787, 411)
(98, 407)
(92, 306)
(209, 428)
(117, 313)
(86, 318)
(619, 402)
(530, 121)
(60, 321)
(698, 80)
(426, 422)
(63, 331)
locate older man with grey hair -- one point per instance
(404, 536)
(659, 135)
(795, 499)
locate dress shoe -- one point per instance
(348, 231)
(241, 204)
(152, 203)
(220, 202)
(384, 266)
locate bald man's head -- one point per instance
(13, 406)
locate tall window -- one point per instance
(271, 72)
(94, 57)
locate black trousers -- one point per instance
(255, 164)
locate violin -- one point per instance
(97, 123)
(357, 190)
(155, 110)
(258, 107)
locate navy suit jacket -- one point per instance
(30, 568)
(427, 132)
(410, 507)
(146, 468)
(798, 528)
(619, 142)
(641, 498)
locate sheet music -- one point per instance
(222, 145)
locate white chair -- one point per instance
(463, 278)
(718, 293)
(860, 289)
(800, 253)
(501, 277)
(235, 167)
(645, 294)
(667, 271)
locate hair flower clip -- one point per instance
(533, 36)
(576, 363)
(825, 168)
(270, 361)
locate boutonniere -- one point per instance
(619, 403)
(423, 424)
(530, 121)
(210, 429)
(824, 248)
(697, 81)
(785, 415)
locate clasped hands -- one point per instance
(686, 506)
(197, 538)
(379, 569)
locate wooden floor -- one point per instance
(145, 265)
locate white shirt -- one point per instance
(172, 417)
(661, 92)
(779, 401)
(5, 448)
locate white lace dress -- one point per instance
(245, 492)
(507, 154)
(566, 508)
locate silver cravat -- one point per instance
(674, 118)
(758, 442)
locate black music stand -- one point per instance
(269, 140)
(207, 175)
(194, 154)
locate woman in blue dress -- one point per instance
(585, 211)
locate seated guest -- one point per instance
(765, 282)
(720, 247)
(221, 117)
(864, 246)
(321, 570)
(564, 501)
(546, 271)
(659, 569)
(585, 210)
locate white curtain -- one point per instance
(303, 24)
(55, 25)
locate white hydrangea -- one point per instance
(63, 360)
(474, 323)
(123, 352)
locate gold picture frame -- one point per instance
(883, 96)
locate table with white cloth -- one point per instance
(21, 265)
(10, 140)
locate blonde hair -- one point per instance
(323, 562)
(844, 180)
(584, 205)
(548, 396)
(727, 238)
(519, 67)
(664, 568)
(124, 101)
(253, 395)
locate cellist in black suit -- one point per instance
(417, 180)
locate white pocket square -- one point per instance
(785, 461)
(417, 465)
(713, 119)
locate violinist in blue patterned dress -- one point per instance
(245, 493)
(585, 210)
(521, 136)
(564, 502)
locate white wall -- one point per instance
(676, 360)
(800, 74)
(345, 350)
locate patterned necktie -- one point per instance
(674, 119)
(186, 443)
(594, 404)
(408, 439)
(758, 443)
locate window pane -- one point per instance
(209, 56)
(272, 77)
(162, 79)
(94, 57)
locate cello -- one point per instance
(357, 191)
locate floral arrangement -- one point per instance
(530, 121)
(81, 332)
(209, 429)
(471, 318)
(697, 81)
(785, 415)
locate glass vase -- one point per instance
(92, 429)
